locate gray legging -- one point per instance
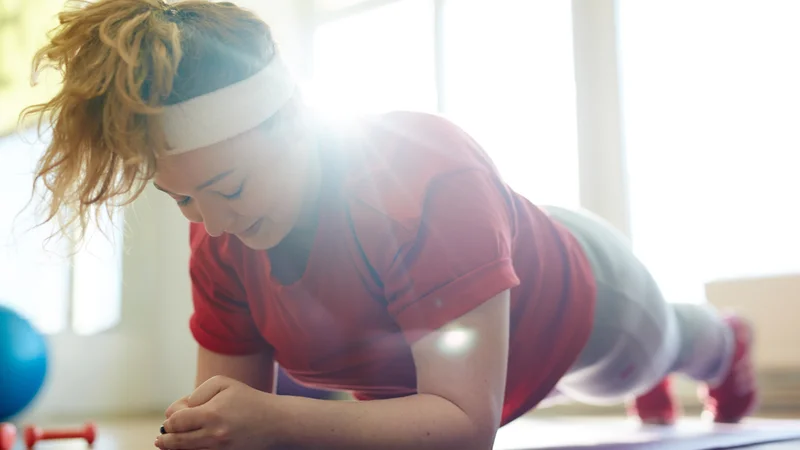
(638, 338)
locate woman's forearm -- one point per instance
(417, 422)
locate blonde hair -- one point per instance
(120, 61)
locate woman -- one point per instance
(386, 258)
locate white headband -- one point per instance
(228, 112)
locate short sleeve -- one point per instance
(221, 320)
(459, 257)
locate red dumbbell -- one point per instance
(35, 434)
(8, 435)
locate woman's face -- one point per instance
(253, 186)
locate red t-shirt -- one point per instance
(415, 229)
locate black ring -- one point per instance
(163, 431)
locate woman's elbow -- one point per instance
(483, 433)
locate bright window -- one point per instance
(509, 81)
(34, 275)
(507, 73)
(377, 60)
(97, 279)
(46, 281)
(711, 99)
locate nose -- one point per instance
(216, 219)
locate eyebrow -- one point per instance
(213, 180)
(202, 185)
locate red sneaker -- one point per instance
(736, 396)
(656, 407)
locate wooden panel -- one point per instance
(773, 305)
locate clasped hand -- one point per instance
(222, 413)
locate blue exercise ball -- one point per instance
(23, 363)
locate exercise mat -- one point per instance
(628, 434)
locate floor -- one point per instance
(113, 434)
(139, 434)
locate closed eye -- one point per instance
(236, 194)
(180, 199)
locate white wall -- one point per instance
(603, 187)
(146, 362)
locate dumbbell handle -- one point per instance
(35, 434)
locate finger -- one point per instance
(176, 406)
(184, 420)
(207, 391)
(191, 440)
